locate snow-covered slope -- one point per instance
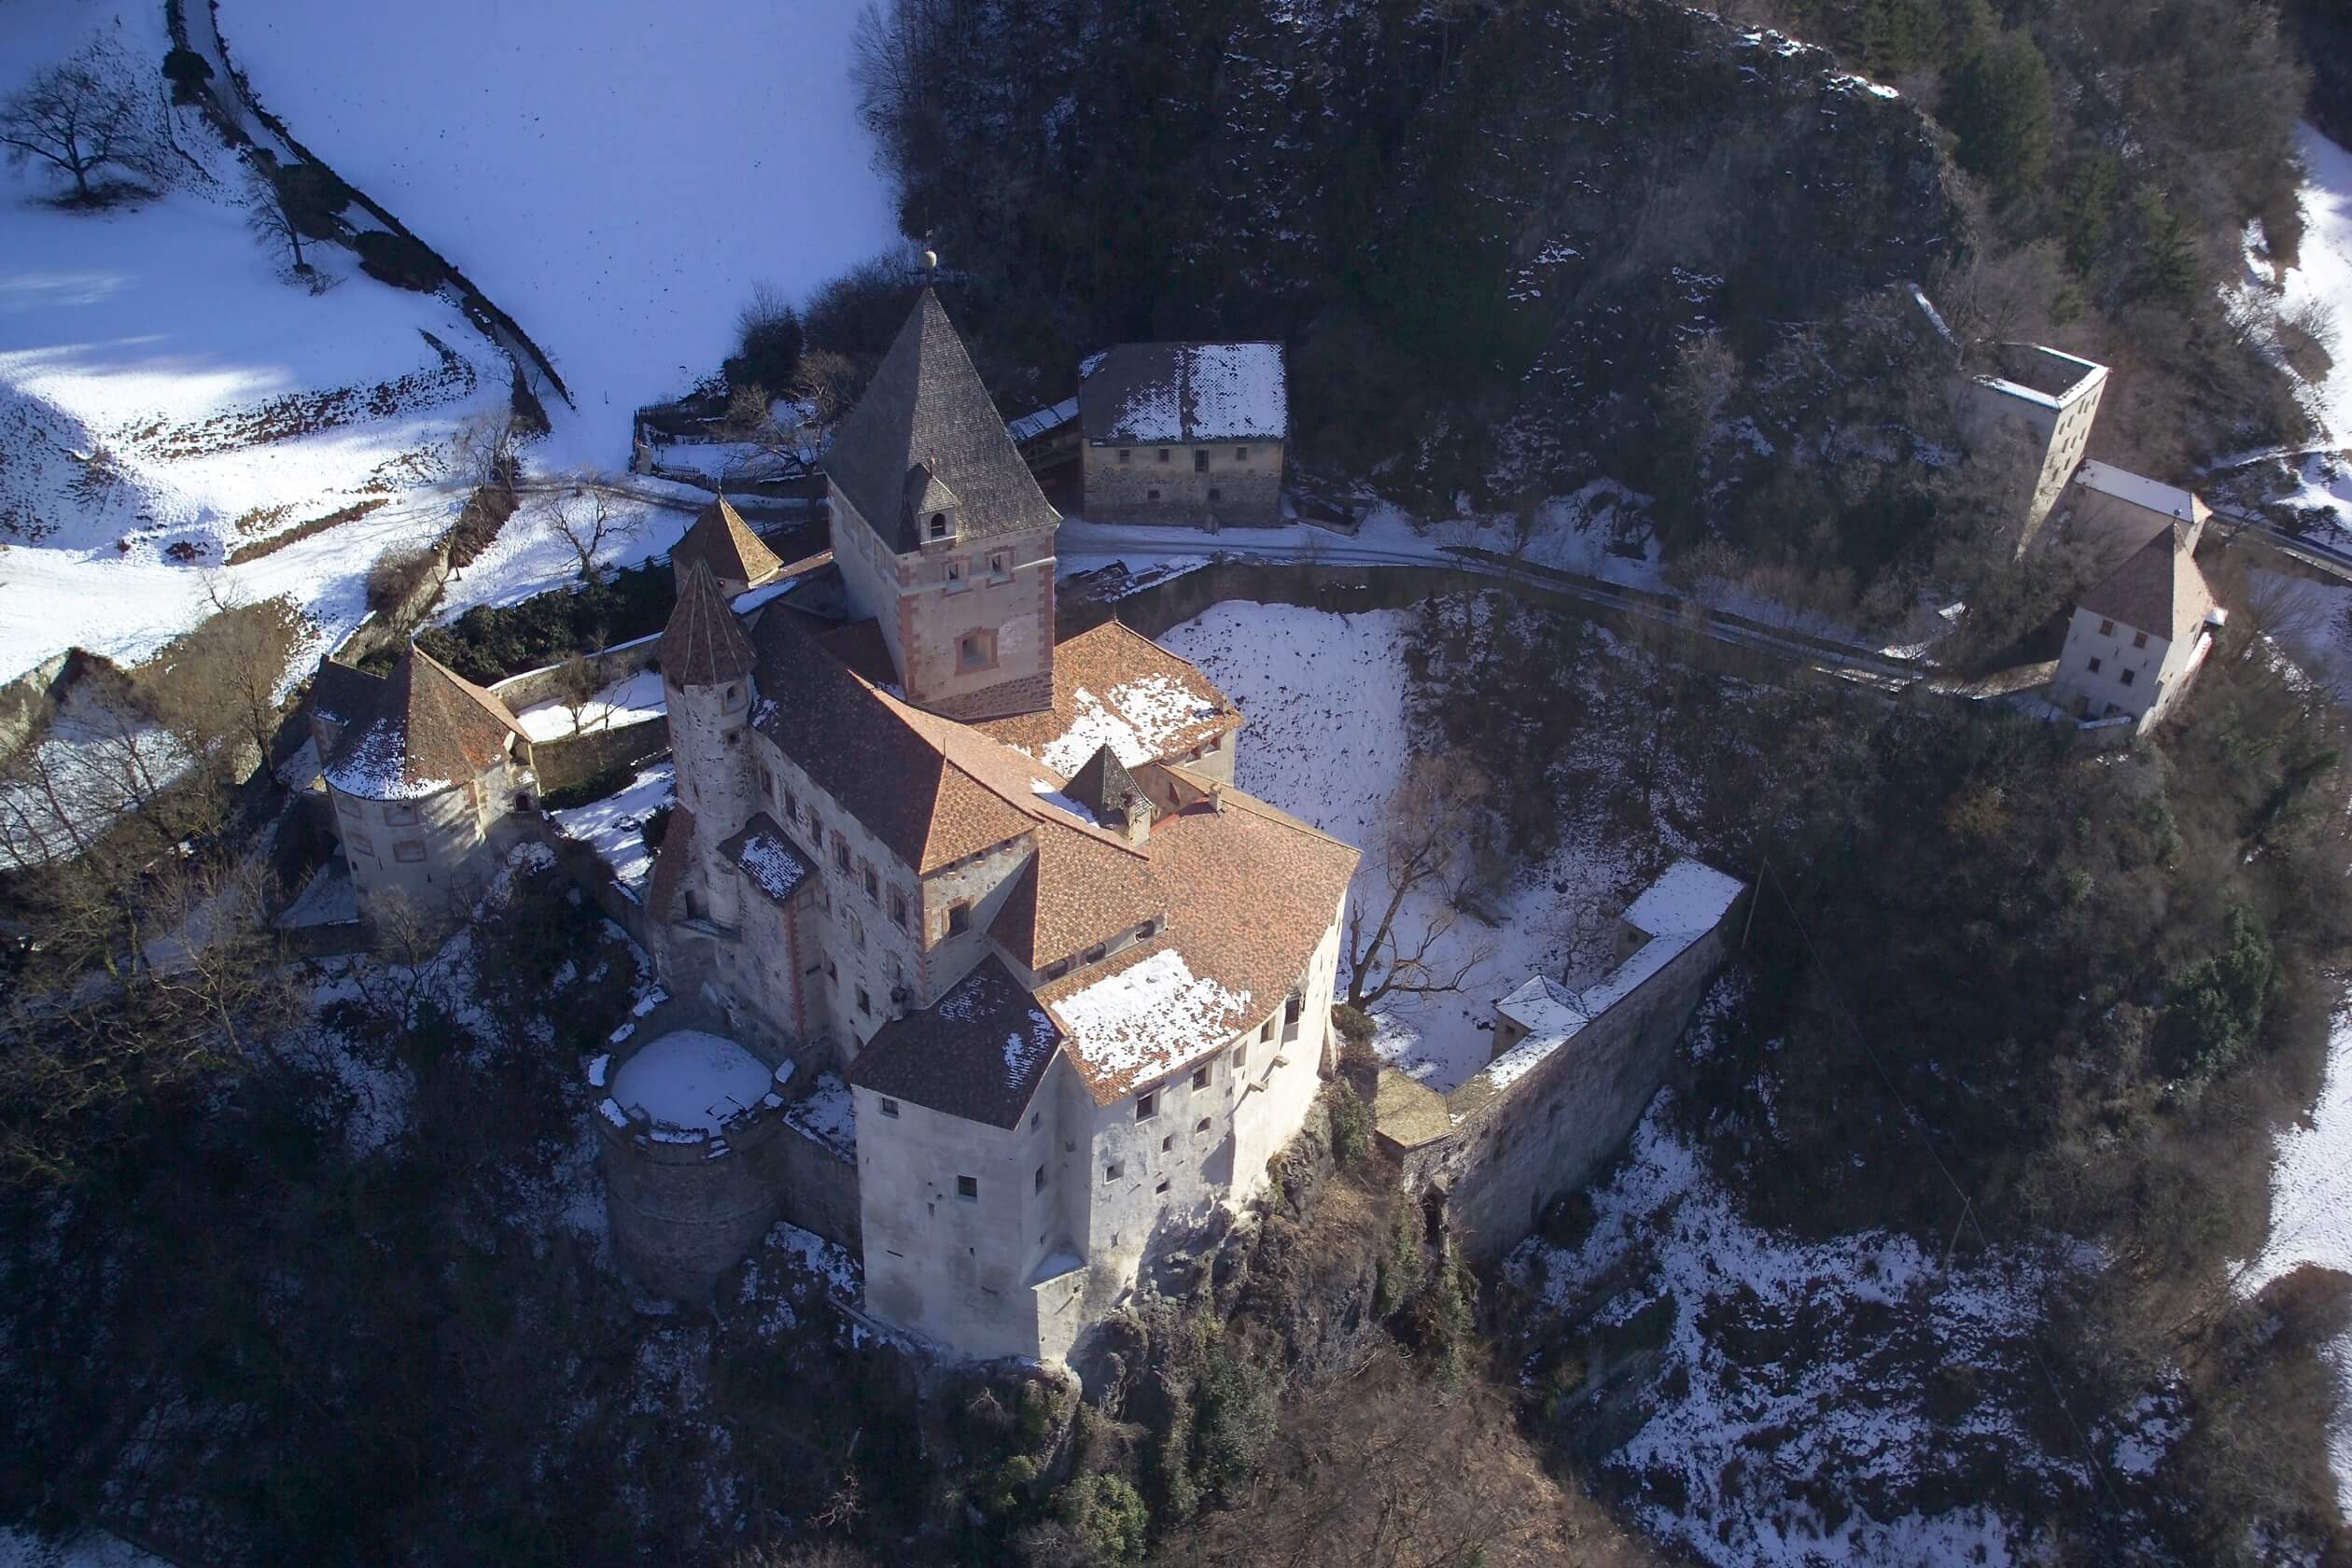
(163, 386)
(2322, 273)
(616, 175)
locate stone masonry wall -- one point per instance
(683, 1213)
(816, 1188)
(1517, 1148)
(1248, 490)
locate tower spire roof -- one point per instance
(702, 645)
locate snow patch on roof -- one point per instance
(774, 865)
(376, 765)
(1151, 1017)
(1062, 802)
(690, 1080)
(1239, 390)
(2136, 489)
(1690, 898)
(1135, 720)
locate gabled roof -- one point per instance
(932, 790)
(670, 861)
(427, 729)
(769, 858)
(341, 692)
(1115, 685)
(704, 645)
(2157, 590)
(1186, 392)
(2138, 490)
(720, 540)
(979, 1052)
(926, 406)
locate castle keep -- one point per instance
(1078, 985)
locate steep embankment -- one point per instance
(1484, 236)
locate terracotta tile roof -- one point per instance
(704, 645)
(860, 646)
(427, 729)
(930, 789)
(2158, 590)
(670, 861)
(1080, 888)
(926, 410)
(720, 540)
(979, 1052)
(340, 693)
(1250, 895)
(1115, 685)
(768, 858)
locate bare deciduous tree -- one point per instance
(483, 452)
(1398, 943)
(80, 118)
(585, 520)
(576, 687)
(271, 222)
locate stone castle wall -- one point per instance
(686, 1207)
(1160, 484)
(1499, 1151)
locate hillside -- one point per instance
(617, 177)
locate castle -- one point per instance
(1079, 985)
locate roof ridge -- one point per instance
(1257, 807)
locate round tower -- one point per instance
(706, 678)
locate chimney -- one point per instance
(1138, 814)
(1216, 798)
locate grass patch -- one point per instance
(276, 542)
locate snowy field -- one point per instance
(616, 177)
(90, 1548)
(2322, 274)
(1326, 740)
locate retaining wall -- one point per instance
(815, 1186)
(1496, 1155)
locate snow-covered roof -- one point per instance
(1683, 905)
(2035, 374)
(1151, 1017)
(690, 1080)
(1032, 426)
(1186, 392)
(773, 864)
(2136, 489)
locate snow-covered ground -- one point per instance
(1871, 1341)
(613, 826)
(89, 1548)
(1326, 740)
(631, 700)
(2322, 274)
(617, 176)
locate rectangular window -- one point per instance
(2128, 676)
(1240, 453)
(898, 909)
(1201, 459)
(1112, 1171)
(2106, 628)
(968, 1188)
(1058, 968)
(399, 816)
(1163, 1186)
(959, 918)
(1168, 1143)
(1266, 1029)
(1241, 1054)
(1039, 1184)
(2139, 640)
(792, 808)
(889, 1109)
(841, 853)
(2094, 667)
(1146, 1106)
(1200, 1077)
(1151, 494)
(1214, 494)
(1095, 955)
(408, 849)
(1001, 565)
(864, 1005)
(955, 574)
(1127, 454)
(857, 933)
(1164, 457)
(873, 886)
(767, 784)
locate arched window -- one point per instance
(939, 525)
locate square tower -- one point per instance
(941, 532)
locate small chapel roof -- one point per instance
(722, 540)
(926, 407)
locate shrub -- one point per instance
(2218, 1006)
(1106, 1513)
(395, 576)
(2000, 106)
(188, 72)
(1351, 1125)
(858, 313)
(402, 260)
(767, 342)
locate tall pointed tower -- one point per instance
(941, 532)
(706, 678)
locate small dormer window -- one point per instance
(937, 527)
